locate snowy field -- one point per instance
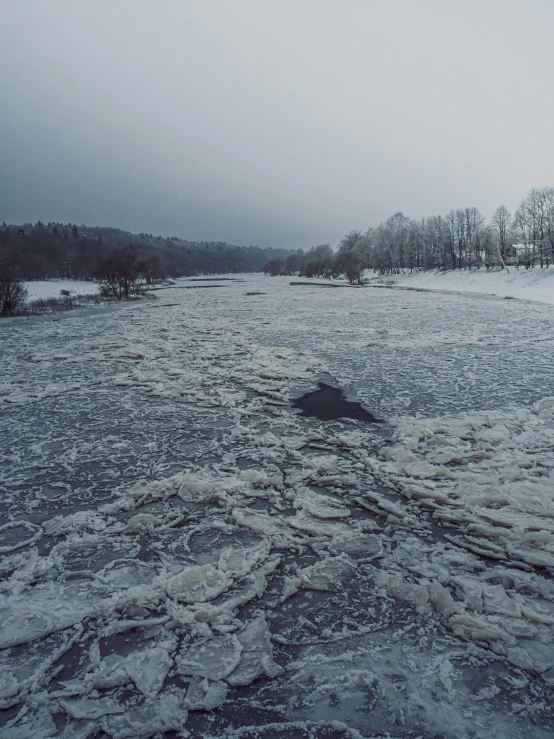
(44, 289)
(180, 551)
(526, 284)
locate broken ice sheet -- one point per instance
(142, 522)
(75, 522)
(261, 523)
(147, 668)
(212, 658)
(110, 673)
(320, 506)
(127, 574)
(35, 725)
(203, 695)
(240, 562)
(532, 655)
(327, 574)
(9, 686)
(197, 584)
(90, 708)
(358, 544)
(316, 526)
(257, 655)
(165, 713)
(44, 609)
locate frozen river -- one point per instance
(180, 551)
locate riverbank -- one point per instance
(532, 284)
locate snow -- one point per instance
(524, 284)
(44, 289)
(180, 551)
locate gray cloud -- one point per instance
(279, 122)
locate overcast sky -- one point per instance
(271, 122)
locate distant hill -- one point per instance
(64, 250)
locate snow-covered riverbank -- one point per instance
(532, 284)
(44, 289)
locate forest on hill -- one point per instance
(57, 250)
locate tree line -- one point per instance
(320, 261)
(461, 239)
(67, 251)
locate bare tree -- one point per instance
(453, 236)
(151, 268)
(349, 263)
(120, 272)
(500, 222)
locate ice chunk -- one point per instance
(416, 595)
(258, 478)
(197, 584)
(316, 526)
(291, 585)
(320, 506)
(257, 656)
(148, 669)
(532, 655)
(486, 693)
(269, 439)
(79, 521)
(205, 696)
(358, 544)
(79, 730)
(111, 672)
(239, 562)
(25, 567)
(91, 707)
(410, 464)
(37, 725)
(519, 657)
(165, 713)
(128, 575)
(215, 658)
(481, 630)
(441, 600)
(195, 488)
(141, 522)
(9, 684)
(43, 610)
(326, 574)
(261, 523)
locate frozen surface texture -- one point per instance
(181, 551)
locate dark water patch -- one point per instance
(180, 287)
(328, 403)
(214, 279)
(256, 293)
(316, 284)
(196, 287)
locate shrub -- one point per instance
(12, 294)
